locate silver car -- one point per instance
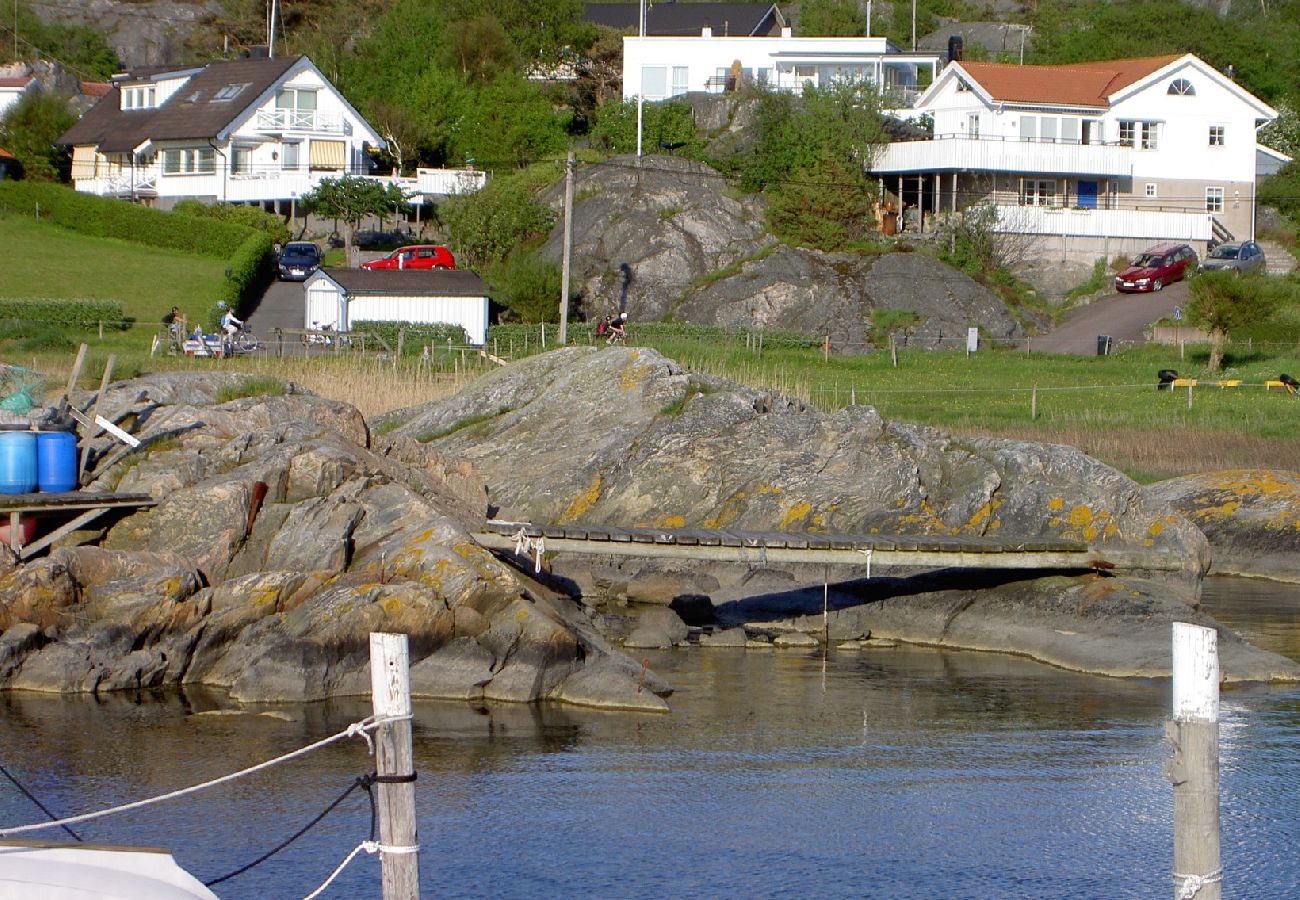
(1239, 256)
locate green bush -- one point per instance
(64, 313)
(418, 334)
(252, 268)
(528, 284)
(253, 217)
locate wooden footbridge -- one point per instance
(72, 509)
(772, 547)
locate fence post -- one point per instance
(1193, 768)
(390, 695)
(893, 351)
(1189, 395)
(1033, 404)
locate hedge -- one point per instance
(418, 334)
(252, 267)
(73, 313)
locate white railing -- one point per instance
(299, 120)
(259, 185)
(444, 182)
(1111, 223)
(124, 185)
(1009, 155)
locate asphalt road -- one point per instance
(1122, 316)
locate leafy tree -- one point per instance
(1283, 133)
(539, 30)
(350, 199)
(478, 49)
(1283, 191)
(1223, 301)
(825, 206)
(528, 284)
(664, 126)
(509, 122)
(487, 226)
(29, 129)
(831, 18)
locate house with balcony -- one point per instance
(660, 68)
(257, 130)
(1095, 159)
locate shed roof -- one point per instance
(433, 282)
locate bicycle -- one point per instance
(243, 341)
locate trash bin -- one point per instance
(1103, 345)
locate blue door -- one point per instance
(1087, 195)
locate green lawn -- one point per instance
(45, 260)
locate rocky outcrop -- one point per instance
(1251, 518)
(284, 533)
(149, 33)
(696, 253)
(625, 437)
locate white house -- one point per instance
(339, 298)
(256, 130)
(658, 68)
(12, 89)
(1101, 157)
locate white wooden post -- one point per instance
(1193, 769)
(390, 690)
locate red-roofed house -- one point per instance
(7, 163)
(1096, 158)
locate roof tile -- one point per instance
(1075, 84)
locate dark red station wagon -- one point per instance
(1156, 267)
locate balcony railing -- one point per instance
(959, 153)
(299, 120)
(1110, 223)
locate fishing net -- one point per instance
(19, 389)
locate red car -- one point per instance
(417, 256)
(1156, 267)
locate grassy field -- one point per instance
(44, 260)
(1106, 406)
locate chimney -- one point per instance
(706, 31)
(954, 48)
(787, 31)
(258, 51)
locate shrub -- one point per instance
(418, 334)
(260, 386)
(528, 284)
(252, 217)
(64, 313)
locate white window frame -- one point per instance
(681, 80)
(291, 156)
(1041, 192)
(1214, 199)
(1218, 135)
(654, 82)
(189, 161)
(1152, 190)
(241, 159)
(973, 125)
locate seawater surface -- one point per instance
(907, 772)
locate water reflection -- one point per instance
(892, 773)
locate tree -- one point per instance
(350, 199)
(831, 18)
(80, 48)
(478, 49)
(1223, 301)
(29, 130)
(485, 227)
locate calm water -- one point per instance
(893, 773)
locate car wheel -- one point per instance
(1157, 284)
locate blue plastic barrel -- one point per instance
(17, 462)
(56, 461)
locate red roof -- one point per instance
(16, 81)
(5, 154)
(1074, 84)
(95, 88)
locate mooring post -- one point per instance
(390, 691)
(1193, 767)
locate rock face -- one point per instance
(623, 436)
(148, 33)
(700, 255)
(285, 533)
(1252, 519)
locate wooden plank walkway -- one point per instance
(926, 551)
(89, 505)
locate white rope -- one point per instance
(525, 545)
(1192, 884)
(368, 846)
(370, 723)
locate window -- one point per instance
(1039, 192)
(765, 75)
(1181, 87)
(144, 97)
(297, 108)
(805, 71)
(241, 160)
(681, 75)
(190, 161)
(1214, 199)
(1142, 135)
(1028, 128)
(962, 85)
(1151, 189)
(973, 125)
(289, 156)
(1069, 130)
(1047, 129)
(229, 92)
(1217, 135)
(654, 81)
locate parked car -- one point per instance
(298, 260)
(1156, 267)
(417, 256)
(1241, 257)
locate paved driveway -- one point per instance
(1122, 316)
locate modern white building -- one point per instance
(1101, 157)
(12, 89)
(339, 298)
(659, 68)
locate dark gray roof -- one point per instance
(440, 282)
(685, 19)
(192, 113)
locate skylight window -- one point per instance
(1182, 87)
(229, 92)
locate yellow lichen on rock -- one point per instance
(1081, 515)
(671, 522)
(392, 606)
(583, 502)
(730, 511)
(797, 513)
(1056, 504)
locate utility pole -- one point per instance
(568, 249)
(640, 87)
(913, 26)
(270, 36)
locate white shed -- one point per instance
(340, 297)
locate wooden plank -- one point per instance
(575, 532)
(47, 540)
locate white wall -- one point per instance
(470, 313)
(322, 304)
